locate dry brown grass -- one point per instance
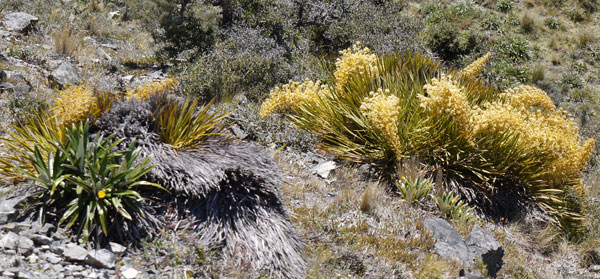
(66, 41)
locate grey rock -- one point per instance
(129, 272)
(45, 229)
(482, 243)
(16, 227)
(449, 244)
(52, 258)
(26, 274)
(324, 168)
(117, 248)
(11, 261)
(41, 239)
(8, 209)
(238, 132)
(103, 55)
(595, 268)
(101, 258)
(74, 252)
(470, 274)
(4, 33)
(19, 22)
(14, 241)
(65, 75)
(33, 258)
(10, 273)
(110, 46)
(74, 268)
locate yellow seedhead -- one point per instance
(447, 98)
(476, 67)
(73, 104)
(144, 91)
(292, 95)
(355, 60)
(381, 109)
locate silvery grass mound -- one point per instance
(230, 191)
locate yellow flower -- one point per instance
(292, 95)
(101, 194)
(381, 109)
(354, 60)
(476, 67)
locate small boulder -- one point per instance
(482, 243)
(74, 252)
(324, 169)
(19, 22)
(129, 272)
(65, 75)
(117, 248)
(101, 258)
(8, 209)
(449, 243)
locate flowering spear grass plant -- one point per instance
(381, 110)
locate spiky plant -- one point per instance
(183, 125)
(88, 183)
(382, 110)
(40, 131)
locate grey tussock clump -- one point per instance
(230, 189)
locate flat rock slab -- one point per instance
(19, 22)
(101, 258)
(482, 243)
(449, 243)
(65, 75)
(75, 252)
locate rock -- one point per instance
(324, 169)
(8, 209)
(449, 244)
(45, 229)
(14, 241)
(33, 258)
(41, 239)
(10, 273)
(595, 268)
(129, 272)
(101, 258)
(19, 22)
(113, 14)
(482, 243)
(26, 274)
(52, 258)
(117, 248)
(74, 252)
(103, 55)
(238, 132)
(65, 75)
(4, 33)
(470, 274)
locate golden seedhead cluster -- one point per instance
(549, 132)
(529, 97)
(444, 98)
(292, 95)
(73, 104)
(355, 60)
(476, 67)
(144, 91)
(381, 109)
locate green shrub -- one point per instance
(89, 184)
(245, 62)
(513, 47)
(504, 6)
(448, 41)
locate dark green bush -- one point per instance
(449, 42)
(513, 47)
(244, 62)
(87, 183)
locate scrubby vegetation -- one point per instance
(381, 110)
(494, 102)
